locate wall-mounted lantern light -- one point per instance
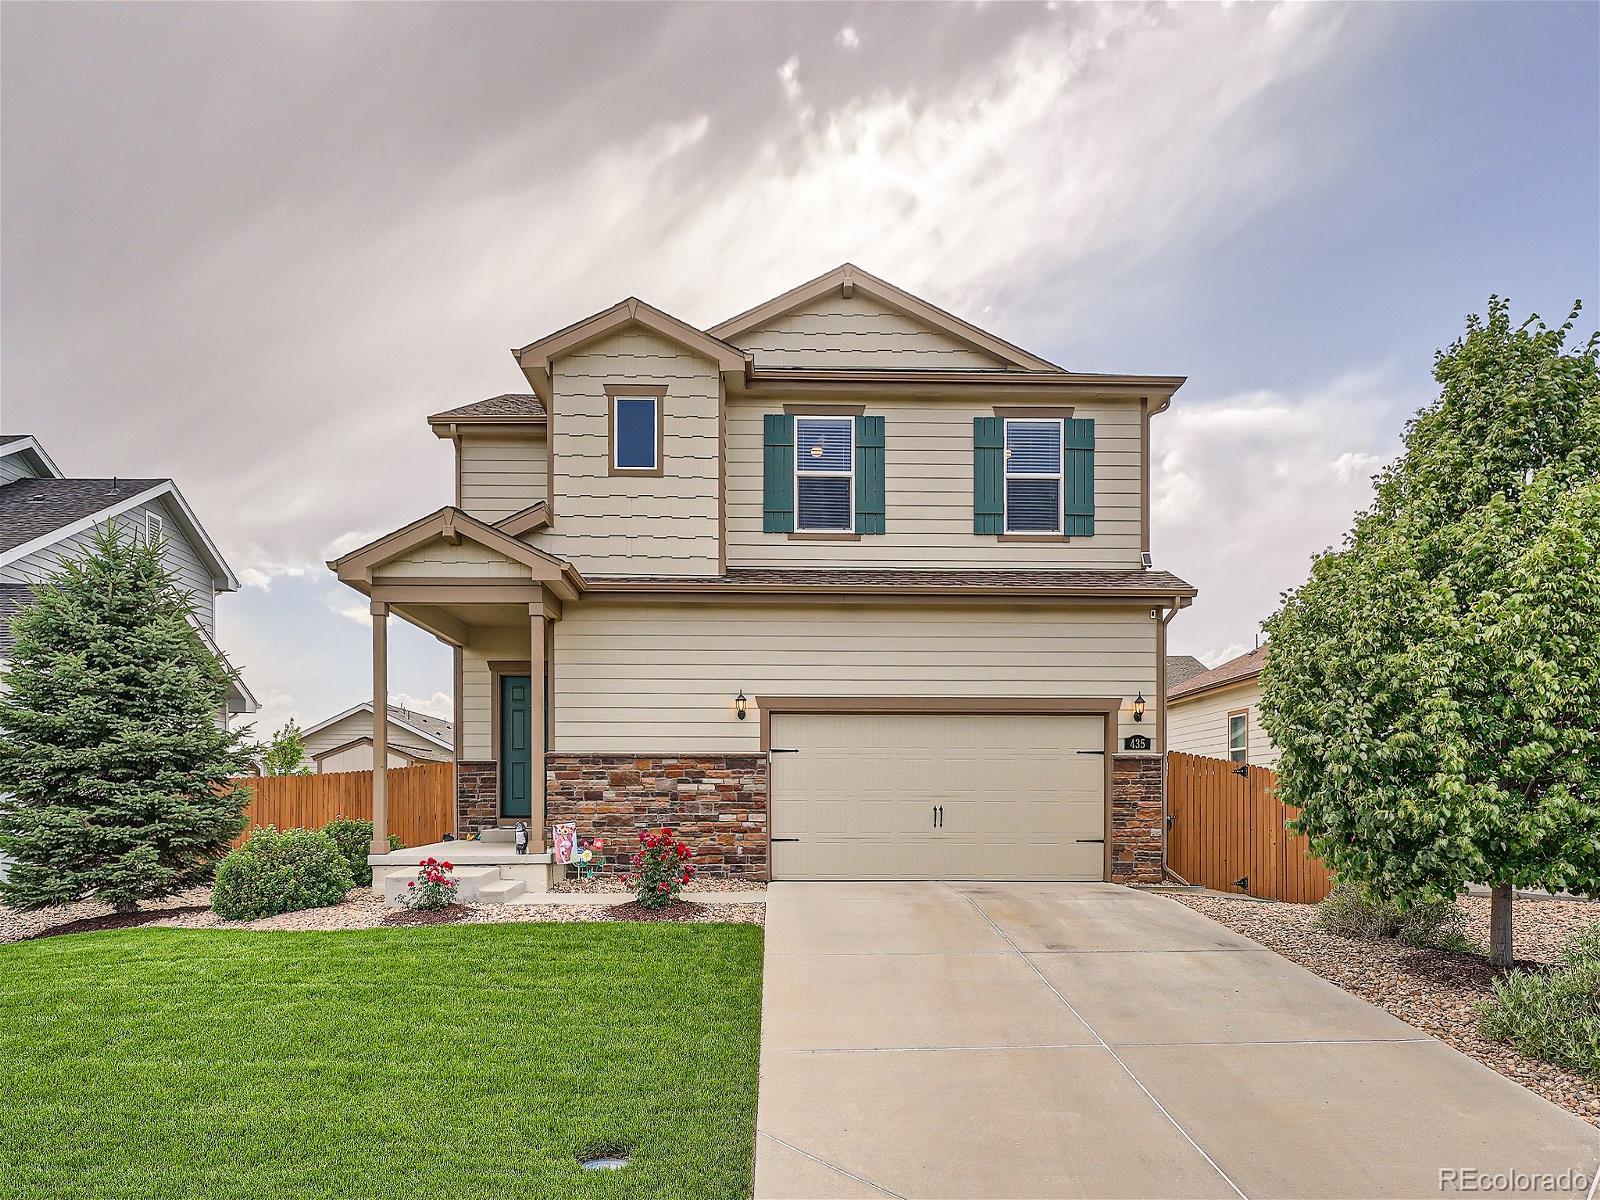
(1138, 707)
(738, 704)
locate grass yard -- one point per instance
(471, 1061)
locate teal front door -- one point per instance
(516, 746)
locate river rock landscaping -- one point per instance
(1437, 991)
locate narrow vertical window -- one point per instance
(635, 429)
(824, 474)
(1033, 476)
(1239, 736)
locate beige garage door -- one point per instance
(937, 796)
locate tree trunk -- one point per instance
(1500, 925)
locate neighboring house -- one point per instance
(1181, 668)
(1218, 713)
(46, 517)
(344, 742)
(841, 588)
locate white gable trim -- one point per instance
(30, 444)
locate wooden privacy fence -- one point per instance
(1227, 833)
(421, 800)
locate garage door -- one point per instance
(937, 796)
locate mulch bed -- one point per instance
(678, 910)
(1437, 991)
(448, 915)
(114, 920)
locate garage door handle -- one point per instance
(784, 839)
(1097, 841)
(775, 750)
(1091, 751)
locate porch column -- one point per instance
(536, 719)
(380, 727)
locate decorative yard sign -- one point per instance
(563, 841)
(1136, 741)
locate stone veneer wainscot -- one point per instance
(717, 803)
(477, 797)
(1138, 819)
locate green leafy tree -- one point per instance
(1434, 687)
(285, 754)
(116, 771)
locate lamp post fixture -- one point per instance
(739, 703)
(1138, 707)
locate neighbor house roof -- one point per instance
(433, 729)
(37, 513)
(1156, 584)
(1236, 670)
(26, 443)
(1181, 668)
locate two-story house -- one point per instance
(841, 588)
(47, 518)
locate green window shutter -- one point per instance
(869, 475)
(1077, 484)
(988, 475)
(778, 486)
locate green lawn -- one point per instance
(468, 1061)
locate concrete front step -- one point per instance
(501, 891)
(469, 882)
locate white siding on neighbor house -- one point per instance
(635, 524)
(14, 467)
(644, 676)
(356, 758)
(357, 725)
(501, 475)
(860, 332)
(928, 492)
(1200, 725)
(179, 555)
(485, 645)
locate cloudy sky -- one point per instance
(250, 247)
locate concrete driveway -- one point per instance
(1045, 1040)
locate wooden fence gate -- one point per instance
(1226, 832)
(421, 800)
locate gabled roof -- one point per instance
(1235, 671)
(535, 357)
(429, 729)
(849, 279)
(452, 524)
(1181, 668)
(37, 513)
(29, 446)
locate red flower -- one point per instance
(663, 886)
(683, 851)
(413, 883)
(599, 843)
(446, 866)
(666, 834)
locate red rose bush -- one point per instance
(434, 887)
(660, 868)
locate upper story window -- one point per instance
(635, 432)
(1033, 476)
(824, 474)
(1239, 736)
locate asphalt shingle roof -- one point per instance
(509, 405)
(1235, 670)
(31, 508)
(1157, 583)
(1181, 668)
(437, 726)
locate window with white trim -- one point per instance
(824, 474)
(1239, 736)
(1033, 475)
(635, 432)
(154, 527)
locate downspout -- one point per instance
(1161, 722)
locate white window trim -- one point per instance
(655, 432)
(155, 527)
(1060, 476)
(1244, 724)
(850, 522)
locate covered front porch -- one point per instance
(494, 600)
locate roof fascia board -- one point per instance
(534, 517)
(885, 293)
(357, 566)
(797, 380)
(1181, 695)
(504, 426)
(891, 591)
(30, 446)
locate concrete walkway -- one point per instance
(1052, 1040)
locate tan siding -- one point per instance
(860, 332)
(1200, 725)
(484, 645)
(641, 676)
(356, 758)
(358, 725)
(630, 524)
(928, 492)
(440, 560)
(501, 475)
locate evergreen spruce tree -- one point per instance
(1434, 687)
(114, 771)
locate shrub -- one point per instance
(433, 888)
(1552, 1015)
(354, 839)
(280, 872)
(1352, 911)
(661, 868)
